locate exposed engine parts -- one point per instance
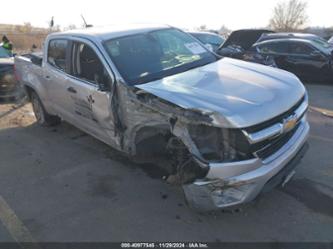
(186, 170)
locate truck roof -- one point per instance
(112, 31)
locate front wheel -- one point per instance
(42, 117)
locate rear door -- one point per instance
(89, 91)
(55, 75)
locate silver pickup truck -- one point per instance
(227, 129)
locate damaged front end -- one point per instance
(246, 168)
(218, 167)
(158, 129)
(222, 151)
(188, 139)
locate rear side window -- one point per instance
(56, 55)
(274, 48)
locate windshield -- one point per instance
(208, 38)
(322, 43)
(319, 46)
(3, 53)
(154, 55)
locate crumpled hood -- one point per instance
(243, 93)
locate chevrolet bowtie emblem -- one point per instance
(289, 123)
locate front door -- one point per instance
(89, 90)
(305, 62)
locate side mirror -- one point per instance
(105, 83)
(33, 60)
(104, 86)
(36, 60)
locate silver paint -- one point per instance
(228, 93)
(243, 93)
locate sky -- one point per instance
(235, 14)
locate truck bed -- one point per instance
(35, 58)
(28, 68)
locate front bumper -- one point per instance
(230, 184)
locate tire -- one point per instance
(42, 117)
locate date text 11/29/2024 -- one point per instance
(164, 245)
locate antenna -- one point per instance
(85, 23)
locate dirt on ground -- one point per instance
(16, 114)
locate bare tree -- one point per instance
(289, 16)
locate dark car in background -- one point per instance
(315, 38)
(8, 85)
(240, 41)
(306, 58)
(209, 39)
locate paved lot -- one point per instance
(58, 184)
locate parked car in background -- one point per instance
(8, 84)
(228, 129)
(306, 58)
(309, 57)
(240, 41)
(315, 38)
(209, 39)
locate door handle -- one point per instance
(71, 90)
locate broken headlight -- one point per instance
(220, 144)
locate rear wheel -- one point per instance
(42, 117)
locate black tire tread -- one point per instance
(50, 120)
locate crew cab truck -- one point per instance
(228, 129)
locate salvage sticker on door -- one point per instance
(195, 48)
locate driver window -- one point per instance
(87, 66)
(300, 49)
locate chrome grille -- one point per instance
(276, 119)
(274, 135)
(275, 145)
